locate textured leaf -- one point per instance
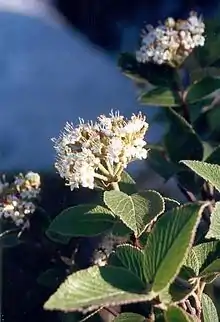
(208, 309)
(127, 184)
(160, 96)
(211, 272)
(179, 289)
(143, 238)
(214, 228)
(170, 203)
(89, 289)
(175, 313)
(82, 220)
(132, 259)
(200, 255)
(181, 140)
(202, 88)
(130, 317)
(207, 151)
(168, 244)
(209, 172)
(137, 210)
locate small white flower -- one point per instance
(172, 42)
(170, 22)
(16, 203)
(108, 144)
(33, 178)
(114, 150)
(198, 40)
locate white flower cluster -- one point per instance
(100, 151)
(17, 198)
(172, 42)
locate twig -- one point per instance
(6, 232)
(135, 241)
(110, 310)
(188, 194)
(90, 315)
(185, 110)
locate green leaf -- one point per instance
(51, 278)
(142, 73)
(214, 228)
(94, 287)
(210, 51)
(136, 211)
(210, 273)
(214, 157)
(200, 256)
(181, 288)
(202, 88)
(57, 238)
(197, 110)
(127, 184)
(170, 203)
(213, 119)
(175, 313)
(83, 220)
(207, 151)
(168, 244)
(9, 240)
(160, 96)
(208, 309)
(143, 239)
(130, 317)
(120, 229)
(132, 259)
(209, 172)
(181, 141)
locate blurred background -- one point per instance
(58, 62)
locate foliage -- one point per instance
(169, 250)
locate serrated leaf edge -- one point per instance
(141, 298)
(180, 309)
(202, 207)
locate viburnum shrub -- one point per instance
(170, 250)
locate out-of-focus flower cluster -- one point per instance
(99, 150)
(17, 199)
(171, 42)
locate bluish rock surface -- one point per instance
(50, 75)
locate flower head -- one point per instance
(101, 150)
(172, 42)
(17, 198)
